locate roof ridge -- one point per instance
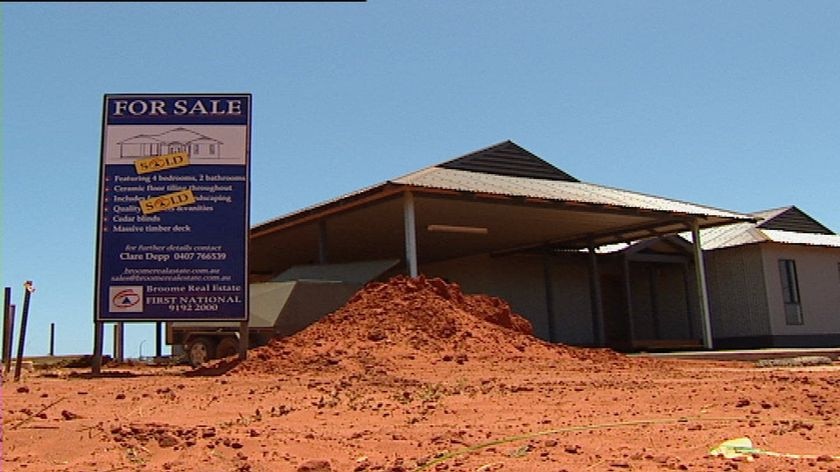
(508, 159)
(771, 213)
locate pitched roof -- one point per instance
(506, 169)
(507, 158)
(788, 225)
(521, 203)
(562, 191)
(790, 219)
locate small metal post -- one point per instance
(52, 339)
(8, 365)
(28, 289)
(7, 336)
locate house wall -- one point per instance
(572, 305)
(520, 280)
(737, 296)
(819, 288)
(661, 307)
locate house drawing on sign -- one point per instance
(775, 282)
(196, 145)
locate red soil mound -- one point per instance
(412, 319)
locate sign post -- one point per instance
(52, 339)
(8, 366)
(7, 330)
(173, 209)
(27, 292)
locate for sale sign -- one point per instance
(173, 208)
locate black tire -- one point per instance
(227, 347)
(200, 350)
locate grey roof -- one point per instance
(506, 169)
(561, 191)
(787, 225)
(520, 202)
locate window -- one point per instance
(212, 149)
(790, 292)
(195, 149)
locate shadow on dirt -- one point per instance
(214, 369)
(114, 374)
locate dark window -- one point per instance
(790, 292)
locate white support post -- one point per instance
(598, 331)
(410, 234)
(702, 290)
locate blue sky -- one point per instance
(728, 104)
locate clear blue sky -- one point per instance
(729, 104)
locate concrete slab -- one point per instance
(746, 354)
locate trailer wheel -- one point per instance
(200, 350)
(227, 347)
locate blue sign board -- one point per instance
(174, 208)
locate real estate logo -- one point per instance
(126, 299)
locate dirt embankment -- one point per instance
(412, 375)
(414, 320)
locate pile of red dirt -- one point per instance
(419, 318)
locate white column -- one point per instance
(410, 234)
(702, 290)
(598, 331)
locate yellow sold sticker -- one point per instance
(167, 202)
(159, 163)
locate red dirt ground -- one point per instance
(411, 376)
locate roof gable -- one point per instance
(508, 158)
(791, 219)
